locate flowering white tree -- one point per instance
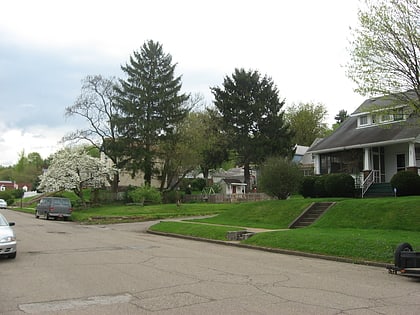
(73, 169)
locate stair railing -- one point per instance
(369, 180)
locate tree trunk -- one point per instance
(247, 177)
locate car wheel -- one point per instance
(403, 247)
(47, 216)
(36, 214)
(12, 256)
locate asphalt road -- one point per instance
(66, 268)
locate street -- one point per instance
(67, 268)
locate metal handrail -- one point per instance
(369, 180)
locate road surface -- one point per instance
(67, 268)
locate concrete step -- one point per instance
(310, 215)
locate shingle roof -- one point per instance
(348, 136)
(385, 101)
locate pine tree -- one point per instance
(252, 116)
(150, 105)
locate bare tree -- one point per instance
(385, 49)
(95, 105)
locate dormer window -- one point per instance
(399, 114)
(382, 117)
(363, 120)
(386, 117)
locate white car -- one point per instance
(7, 238)
(3, 204)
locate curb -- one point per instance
(274, 250)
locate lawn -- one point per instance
(129, 213)
(359, 229)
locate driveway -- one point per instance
(67, 268)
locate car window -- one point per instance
(3, 221)
(62, 202)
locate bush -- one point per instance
(145, 195)
(339, 185)
(407, 183)
(319, 186)
(172, 196)
(280, 177)
(7, 195)
(307, 187)
(193, 184)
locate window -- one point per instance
(399, 114)
(363, 120)
(386, 117)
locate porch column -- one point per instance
(366, 160)
(317, 166)
(412, 164)
(411, 155)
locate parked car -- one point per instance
(54, 207)
(7, 238)
(3, 204)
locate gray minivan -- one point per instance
(54, 207)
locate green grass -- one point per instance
(128, 213)
(401, 213)
(359, 229)
(357, 244)
(272, 214)
(196, 230)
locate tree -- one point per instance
(341, 116)
(307, 122)
(200, 146)
(27, 169)
(150, 106)
(280, 177)
(73, 169)
(96, 105)
(386, 48)
(252, 117)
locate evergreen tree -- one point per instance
(150, 105)
(252, 116)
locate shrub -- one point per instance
(339, 185)
(7, 195)
(145, 195)
(407, 183)
(172, 196)
(319, 186)
(193, 184)
(280, 177)
(307, 187)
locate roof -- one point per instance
(386, 101)
(233, 181)
(348, 136)
(300, 149)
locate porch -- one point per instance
(370, 165)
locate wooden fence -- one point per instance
(221, 198)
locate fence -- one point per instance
(229, 198)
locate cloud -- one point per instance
(50, 46)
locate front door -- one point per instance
(400, 162)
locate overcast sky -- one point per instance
(48, 47)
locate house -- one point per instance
(379, 139)
(232, 186)
(10, 185)
(7, 185)
(300, 151)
